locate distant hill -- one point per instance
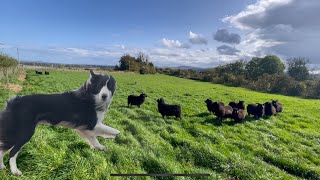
(40, 63)
(190, 67)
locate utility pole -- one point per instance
(18, 56)
(1, 44)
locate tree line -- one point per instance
(140, 64)
(267, 74)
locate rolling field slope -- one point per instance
(286, 146)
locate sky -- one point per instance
(195, 33)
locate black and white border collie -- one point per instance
(82, 109)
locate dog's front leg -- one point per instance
(92, 140)
(105, 131)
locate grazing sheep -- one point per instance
(46, 73)
(255, 109)
(241, 105)
(238, 114)
(269, 109)
(136, 100)
(168, 110)
(38, 72)
(222, 111)
(277, 105)
(233, 104)
(209, 103)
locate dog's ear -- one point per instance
(92, 73)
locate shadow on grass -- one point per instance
(227, 121)
(204, 114)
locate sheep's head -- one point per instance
(208, 101)
(143, 95)
(260, 107)
(241, 102)
(235, 111)
(160, 101)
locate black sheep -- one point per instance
(46, 73)
(255, 109)
(277, 105)
(209, 103)
(168, 110)
(238, 115)
(233, 104)
(136, 100)
(241, 105)
(222, 111)
(269, 109)
(38, 72)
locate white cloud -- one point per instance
(287, 28)
(121, 46)
(173, 44)
(197, 38)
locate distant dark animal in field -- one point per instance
(238, 115)
(209, 103)
(136, 100)
(241, 105)
(38, 72)
(233, 104)
(277, 105)
(168, 110)
(269, 109)
(222, 111)
(257, 110)
(46, 73)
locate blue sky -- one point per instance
(172, 32)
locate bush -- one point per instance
(7, 61)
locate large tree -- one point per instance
(126, 62)
(235, 68)
(268, 65)
(141, 64)
(297, 68)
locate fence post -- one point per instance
(7, 75)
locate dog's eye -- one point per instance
(104, 97)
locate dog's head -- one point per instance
(102, 87)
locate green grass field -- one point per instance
(286, 146)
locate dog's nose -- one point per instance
(104, 97)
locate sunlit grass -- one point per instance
(286, 146)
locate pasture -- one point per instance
(286, 146)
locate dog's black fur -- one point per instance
(78, 108)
